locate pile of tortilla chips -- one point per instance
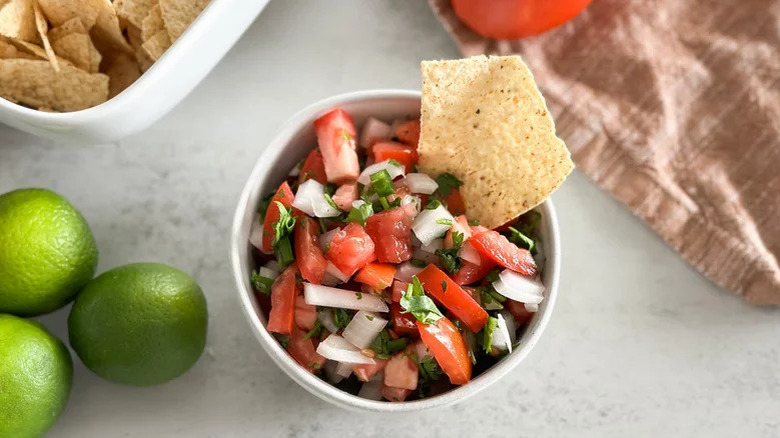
(68, 55)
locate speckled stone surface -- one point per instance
(640, 344)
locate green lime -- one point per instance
(36, 373)
(139, 324)
(48, 252)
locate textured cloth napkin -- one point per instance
(673, 107)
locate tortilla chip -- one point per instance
(485, 121)
(143, 58)
(8, 50)
(17, 20)
(179, 14)
(36, 84)
(74, 25)
(152, 24)
(157, 45)
(43, 30)
(60, 11)
(134, 11)
(122, 71)
(78, 49)
(107, 34)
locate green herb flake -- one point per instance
(432, 204)
(444, 221)
(417, 263)
(262, 209)
(382, 183)
(283, 339)
(492, 275)
(396, 163)
(261, 284)
(341, 317)
(361, 214)
(429, 369)
(473, 222)
(521, 239)
(447, 183)
(444, 286)
(487, 334)
(415, 301)
(449, 257)
(370, 317)
(330, 201)
(315, 331)
(384, 345)
(359, 295)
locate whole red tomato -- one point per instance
(513, 19)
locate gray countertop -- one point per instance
(639, 343)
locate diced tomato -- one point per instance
(448, 348)
(401, 372)
(469, 273)
(336, 138)
(455, 203)
(391, 231)
(365, 372)
(517, 309)
(441, 287)
(345, 195)
(313, 168)
(500, 250)
(377, 275)
(408, 133)
(305, 314)
(403, 323)
(476, 229)
(303, 351)
(285, 196)
(351, 249)
(390, 150)
(394, 394)
(283, 292)
(308, 254)
(399, 287)
(461, 225)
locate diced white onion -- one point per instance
(337, 371)
(363, 328)
(326, 238)
(431, 224)
(310, 199)
(392, 169)
(519, 287)
(273, 265)
(331, 269)
(256, 234)
(501, 338)
(334, 347)
(295, 171)
(433, 246)
(421, 183)
(509, 320)
(326, 318)
(318, 295)
(412, 200)
(374, 130)
(372, 390)
(531, 308)
(344, 369)
(268, 273)
(405, 272)
(358, 203)
(470, 254)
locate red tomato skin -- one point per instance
(379, 276)
(365, 372)
(504, 253)
(403, 323)
(454, 298)
(399, 287)
(390, 150)
(513, 19)
(469, 273)
(313, 168)
(351, 249)
(455, 203)
(391, 231)
(461, 225)
(281, 318)
(303, 351)
(517, 309)
(401, 372)
(305, 314)
(394, 394)
(285, 196)
(336, 137)
(308, 254)
(408, 133)
(448, 348)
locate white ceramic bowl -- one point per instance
(294, 141)
(157, 91)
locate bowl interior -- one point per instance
(290, 146)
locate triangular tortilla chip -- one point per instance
(485, 121)
(36, 84)
(107, 34)
(74, 25)
(9, 51)
(43, 29)
(122, 71)
(60, 11)
(78, 49)
(152, 24)
(157, 45)
(179, 14)
(17, 20)
(134, 11)
(143, 58)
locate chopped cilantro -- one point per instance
(359, 295)
(415, 301)
(449, 257)
(261, 284)
(315, 331)
(444, 286)
(329, 189)
(341, 317)
(285, 224)
(487, 334)
(417, 263)
(330, 201)
(264, 204)
(283, 339)
(384, 346)
(521, 239)
(361, 214)
(396, 163)
(492, 275)
(433, 204)
(447, 183)
(382, 183)
(429, 369)
(370, 317)
(488, 301)
(473, 222)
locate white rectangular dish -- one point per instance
(157, 91)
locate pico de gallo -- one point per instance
(373, 276)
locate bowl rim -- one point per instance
(308, 381)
